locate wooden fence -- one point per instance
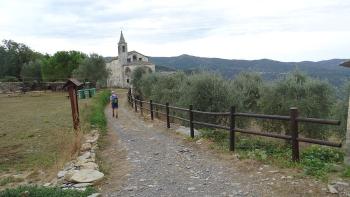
(293, 119)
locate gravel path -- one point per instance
(163, 164)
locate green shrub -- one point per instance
(215, 135)
(315, 167)
(9, 79)
(37, 191)
(316, 160)
(326, 155)
(346, 172)
(253, 143)
(97, 117)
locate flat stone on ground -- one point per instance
(89, 165)
(85, 147)
(86, 176)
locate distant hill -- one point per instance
(269, 69)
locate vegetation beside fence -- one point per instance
(38, 191)
(293, 120)
(249, 93)
(314, 160)
(212, 97)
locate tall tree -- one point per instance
(61, 64)
(32, 71)
(13, 56)
(92, 69)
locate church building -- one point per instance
(123, 66)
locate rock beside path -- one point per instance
(186, 130)
(95, 195)
(85, 147)
(89, 165)
(83, 171)
(332, 189)
(86, 176)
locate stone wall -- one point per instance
(8, 87)
(11, 87)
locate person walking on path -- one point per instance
(114, 103)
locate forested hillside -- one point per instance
(269, 69)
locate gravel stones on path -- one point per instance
(163, 164)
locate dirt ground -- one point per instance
(146, 159)
(113, 162)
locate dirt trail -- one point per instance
(154, 161)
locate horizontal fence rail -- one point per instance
(293, 119)
(178, 108)
(263, 116)
(212, 113)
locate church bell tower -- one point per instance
(122, 50)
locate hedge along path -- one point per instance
(164, 164)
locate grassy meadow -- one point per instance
(36, 135)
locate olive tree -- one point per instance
(167, 88)
(136, 77)
(314, 98)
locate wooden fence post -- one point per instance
(167, 115)
(191, 121)
(347, 139)
(129, 96)
(151, 108)
(135, 103)
(232, 128)
(294, 133)
(141, 110)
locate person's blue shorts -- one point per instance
(114, 105)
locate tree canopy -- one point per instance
(13, 56)
(20, 63)
(92, 68)
(61, 65)
(248, 93)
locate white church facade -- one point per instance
(123, 66)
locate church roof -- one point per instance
(138, 63)
(131, 52)
(121, 40)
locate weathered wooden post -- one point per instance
(294, 132)
(72, 85)
(191, 121)
(129, 96)
(232, 128)
(167, 115)
(151, 108)
(141, 110)
(347, 139)
(135, 103)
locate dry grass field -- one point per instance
(36, 136)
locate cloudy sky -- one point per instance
(287, 30)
